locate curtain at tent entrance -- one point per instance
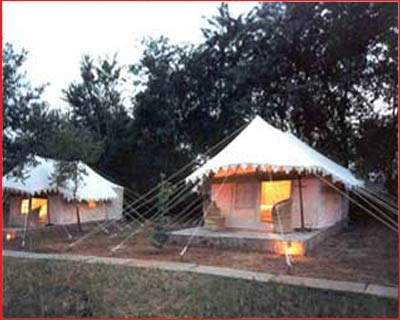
(273, 192)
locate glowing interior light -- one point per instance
(37, 204)
(11, 236)
(41, 204)
(273, 192)
(92, 204)
(24, 206)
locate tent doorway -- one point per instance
(273, 192)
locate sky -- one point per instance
(57, 34)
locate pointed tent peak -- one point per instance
(258, 123)
(261, 144)
(258, 120)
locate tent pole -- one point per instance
(48, 211)
(301, 202)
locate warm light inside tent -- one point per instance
(11, 235)
(272, 192)
(24, 206)
(92, 204)
(41, 204)
(37, 203)
(292, 248)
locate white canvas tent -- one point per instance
(260, 144)
(99, 198)
(242, 188)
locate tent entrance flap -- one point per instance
(273, 192)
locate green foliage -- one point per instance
(159, 235)
(67, 174)
(22, 109)
(164, 193)
(375, 147)
(97, 106)
(156, 133)
(71, 143)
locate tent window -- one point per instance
(39, 204)
(246, 195)
(24, 206)
(273, 192)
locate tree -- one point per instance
(22, 106)
(71, 146)
(71, 143)
(373, 148)
(156, 139)
(97, 106)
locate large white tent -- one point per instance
(260, 144)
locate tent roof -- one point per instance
(261, 144)
(92, 186)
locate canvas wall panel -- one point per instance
(322, 206)
(15, 218)
(239, 202)
(222, 195)
(114, 208)
(245, 213)
(64, 212)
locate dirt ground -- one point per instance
(365, 251)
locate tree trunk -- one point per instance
(78, 218)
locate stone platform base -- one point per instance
(296, 243)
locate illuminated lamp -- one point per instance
(291, 248)
(11, 236)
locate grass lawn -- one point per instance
(64, 289)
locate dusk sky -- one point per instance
(57, 34)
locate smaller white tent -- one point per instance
(98, 198)
(260, 144)
(39, 180)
